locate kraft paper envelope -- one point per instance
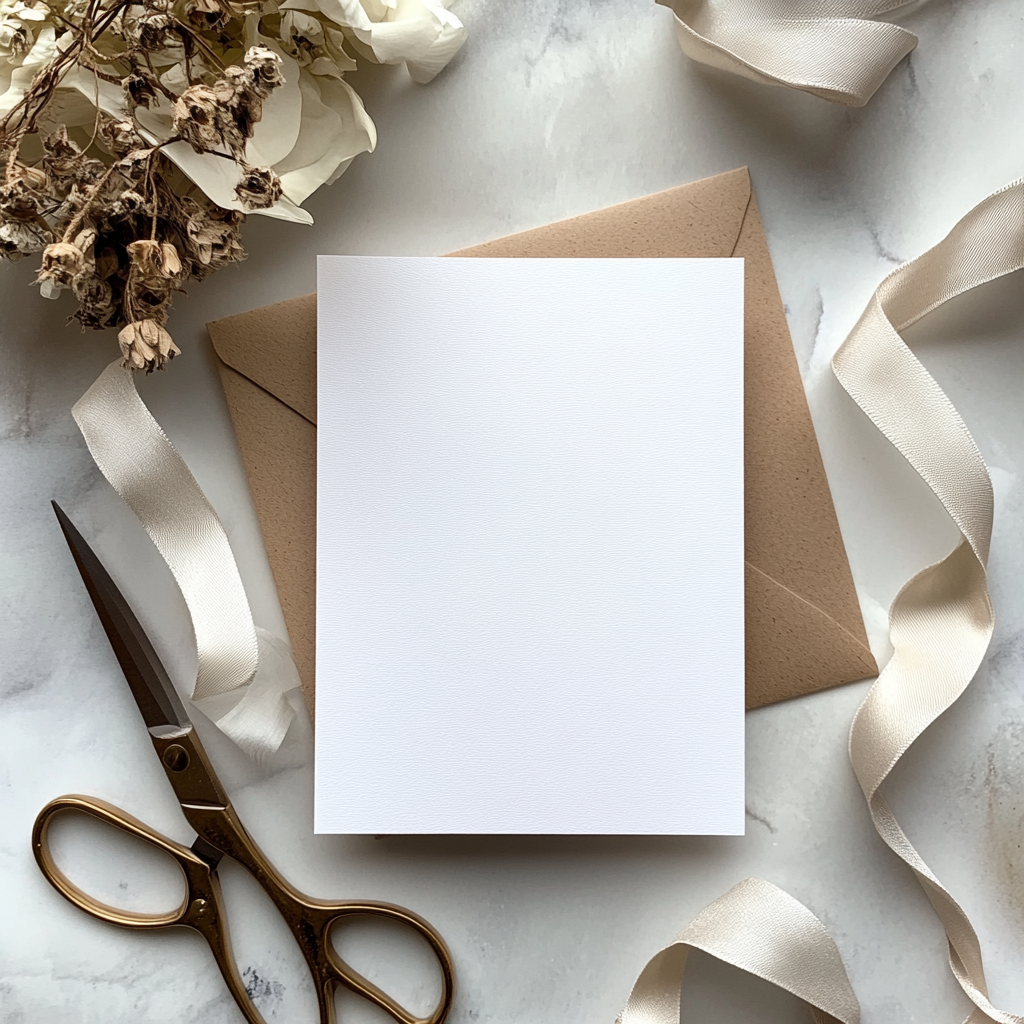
(804, 630)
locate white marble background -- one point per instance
(553, 108)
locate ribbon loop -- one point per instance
(828, 48)
(761, 929)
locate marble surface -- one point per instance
(553, 108)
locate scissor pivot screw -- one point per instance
(176, 757)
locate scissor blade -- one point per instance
(152, 689)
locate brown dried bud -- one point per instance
(145, 345)
(259, 189)
(196, 118)
(213, 238)
(62, 262)
(264, 70)
(154, 260)
(121, 137)
(130, 202)
(157, 32)
(206, 14)
(140, 89)
(17, 201)
(19, 238)
(96, 306)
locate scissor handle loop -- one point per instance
(311, 920)
(341, 973)
(192, 867)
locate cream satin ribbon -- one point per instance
(243, 671)
(940, 626)
(761, 929)
(941, 621)
(828, 48)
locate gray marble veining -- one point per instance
(551, 109)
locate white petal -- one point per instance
(217, 177)
(347, 14)
(15, 80)
(276, 133)
(85, 83)
(335, 128)
(423, 34)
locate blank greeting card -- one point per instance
(530, 546)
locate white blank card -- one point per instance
(530, 546)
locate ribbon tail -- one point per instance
(141, 464)
(942, 620)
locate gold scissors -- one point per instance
(220, 833)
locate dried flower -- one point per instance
(122, 137)
(198, 118)
(122, 216)
(263, 70)
(97, 307)
(259, 188)
(18, 200)
(62, 262)
(207, 14)
(145, 345)
(140, 87)
(213, 238)
(20, 238)
(155, 261)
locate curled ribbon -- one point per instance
(139, 461)
(829, 48)
(941, 621)
(761, 929)
(940, 626)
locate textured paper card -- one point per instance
(530, 546)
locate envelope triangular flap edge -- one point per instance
(804, 628)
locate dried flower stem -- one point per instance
(76, 222)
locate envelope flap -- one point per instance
(792, 533)
(275, 347)
(703, 218)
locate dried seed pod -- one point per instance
(259, 188)
(145, 345)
